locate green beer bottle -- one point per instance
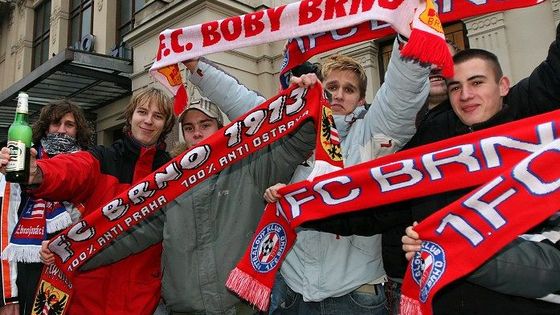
(19, 143)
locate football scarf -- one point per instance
(300, 49)
(412, 18)
(277, 117)
(40, 217)
(456, 163)
(480, 224)
(9, 202)
(466, 161)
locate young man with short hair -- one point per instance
(477, 94)
(326, 272)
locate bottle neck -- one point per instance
(20, 117)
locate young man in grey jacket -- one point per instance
(205, 230)
(323, 267)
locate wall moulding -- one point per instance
(556, 10)
(484, 24)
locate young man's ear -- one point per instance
(362, 102)
(504, 84)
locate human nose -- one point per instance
(466, 93)
(61, 129)
(197, 133)
(337, 94)
(149, 119)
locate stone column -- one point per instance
(556, 10)
(59, 26)
(104, 25)
(22, 47)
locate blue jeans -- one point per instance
(285, 301)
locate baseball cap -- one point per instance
(204, 105)
(207, 107)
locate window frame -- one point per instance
(78, 13)
(41, 33)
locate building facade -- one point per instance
(98, 52)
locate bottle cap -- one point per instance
(22, 103)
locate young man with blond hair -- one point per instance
(325, 272)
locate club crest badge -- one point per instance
(172, 74)
(49, 300)
(268, 247)
(430, 17)
(330, 139)
(428, 267)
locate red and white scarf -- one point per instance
(300, 49)
(412, 18)
(466, 161)
(480, 224)
(286, 111)
(38, 218)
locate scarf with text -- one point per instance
(300, 49)
(40, 217)
(413, 18)
(466, 161)
(277, 117)
(480, 224)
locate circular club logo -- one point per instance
(267, 248)
(428, 266)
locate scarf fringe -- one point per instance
(249, 289)
(22, 253)
(421, 41)
(410, 306)
(321, 167)
(59, 222)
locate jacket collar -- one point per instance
(344, 122)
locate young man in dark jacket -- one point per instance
(480, 97)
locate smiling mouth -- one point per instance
(436, 78)
(146, 130)
(469, 108)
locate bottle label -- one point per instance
(17, 156)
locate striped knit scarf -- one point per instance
(40, 217)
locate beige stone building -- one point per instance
(98, 52)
